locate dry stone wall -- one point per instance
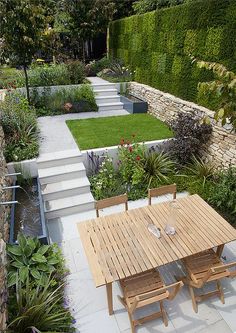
(5, 195)
(222, 146)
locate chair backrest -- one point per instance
(167, 189)
(100, 204)
(217, 273)
(157, 295)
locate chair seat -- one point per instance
(199, 264)
(140, 284)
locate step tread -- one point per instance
(104, 90)
(72, 201)
(103, 84)
(109, 104)
(59, 155)
(60, 170)
(65, 185)
(107, 97)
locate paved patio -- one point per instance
(89, 305)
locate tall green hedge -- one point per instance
(158, 45)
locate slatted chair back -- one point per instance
(120, 199)
(144, 289)
(203, 268)
(167, 189)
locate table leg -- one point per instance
(219, 250)
(109, 298)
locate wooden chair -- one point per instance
(144, 289)
(100, 204)
(202, 268)
(167, 189)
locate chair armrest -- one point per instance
(218, 269)
(175, 289)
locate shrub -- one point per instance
(38, 309)
(223, 194)
(190, 134)
(36, 275)
(76, 71)
(19, 124)
(32, 260)
(49, 75)
(200, 171)
(96, 66)
(64, 100)
(116, 72)
(158, 167)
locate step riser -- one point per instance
(110, 108)
(104, 86)
(66, 193)
(61, 177)
(69, 211)
(108, 100)
(62, 161)
(105, 93)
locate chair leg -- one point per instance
(194, 303)
(163, 312)
(219, 287)
(131, 323)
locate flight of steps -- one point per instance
(107, 97)
(65, 187)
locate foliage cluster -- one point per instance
(116, 72)
(19, 123)
(36, 278)
(78, 99)
(137, 170)
(72, 72)
(157, 45)
(222, 90)
(190, 136)
(144, 6)
(96, 66)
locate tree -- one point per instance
(87, 18)
(143, 6)
(224, 86)
(22, 25)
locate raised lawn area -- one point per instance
(105, 132)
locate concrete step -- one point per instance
(59, 158)
(105, 92)
(103, 86)
(67, 206)
(110, 106)
(65, 188)
(61, 172)
(108, 99)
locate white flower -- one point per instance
(110, 176)
(105, 170)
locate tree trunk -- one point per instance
(26, 83)
(83, 49)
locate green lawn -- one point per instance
(105, 132)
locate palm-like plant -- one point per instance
(200, 170)
(157, 168)
(39, 310)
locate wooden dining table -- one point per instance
(120, 245)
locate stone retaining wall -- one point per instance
(222, 146)
(5, 195)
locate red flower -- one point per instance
(138, 158)
(122, 141)
(130, 149)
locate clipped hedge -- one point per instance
(158, 45)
